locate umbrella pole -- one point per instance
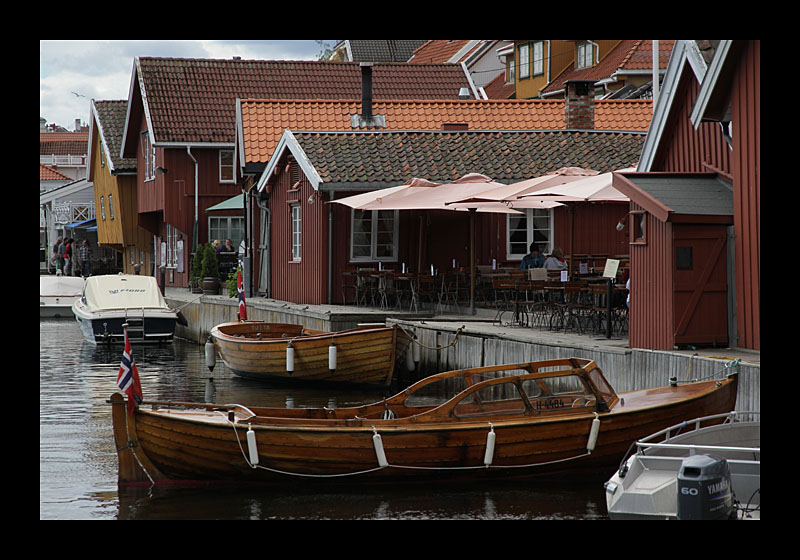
(472, 261)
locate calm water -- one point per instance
(78, 463)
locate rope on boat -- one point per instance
(414, 338)
(132, 446)
(732, 364)
(383, 463)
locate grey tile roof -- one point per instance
(111, 115)
(394, 157)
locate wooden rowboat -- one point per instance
(260, 350)
(504, 421)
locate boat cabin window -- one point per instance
(494, 400)
(434, 394)
(566, 391)
(603, 388)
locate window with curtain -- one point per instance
(535, 226)
(373, 235)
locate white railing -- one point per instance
(62, 160)
(70, 212)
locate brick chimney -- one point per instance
(579, 104)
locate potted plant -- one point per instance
(210, 271)
(196, 271)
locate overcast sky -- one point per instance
(72, 73)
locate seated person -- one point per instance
(533, 259)
(556, 260)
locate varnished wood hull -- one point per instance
(363, 356)
(202, 445)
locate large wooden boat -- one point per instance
(504, 421)
(277, 351)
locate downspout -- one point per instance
(194, 232)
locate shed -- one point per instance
(681, 258)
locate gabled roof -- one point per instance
(631, 56)
(192, 101)
(108, 120)
(685, 52)
(47, 173)
(443, 50)
(262, 122)
(380, 50)
(367, 160)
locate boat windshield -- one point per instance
(434, 394)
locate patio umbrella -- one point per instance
(419, 194)
(596, 188)
(510, 193)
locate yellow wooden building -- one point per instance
(115, 197)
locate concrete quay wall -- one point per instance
(481, 343)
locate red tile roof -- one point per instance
(49, 174)
(630, 54)
(263, 121)
(192, 100)
(440, 50)
(63, 143)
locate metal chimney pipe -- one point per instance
(366, 89)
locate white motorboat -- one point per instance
(57, 294)
(700, 469)
(112, 300)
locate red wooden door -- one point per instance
(700, 301)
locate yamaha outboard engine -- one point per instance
(704, 488)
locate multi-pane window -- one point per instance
(296, 233)
(535, 226)
(226, 174)
(524, 61)
(583, 58)
(110, 207)
(538, 58)
(226, 227)
(373, 235)
(172, 241)
(149, 156)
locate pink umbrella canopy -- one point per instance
(359, 200)
(437, 197)
(510, 193)
(586, 189)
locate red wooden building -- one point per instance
(311, 242)
(180, 127)
(695, 203)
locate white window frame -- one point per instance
(149, 155)
(110, 207)
(231, 166)
(538, 58)
(373, 236)
(297, 233)
(544, 248)
(218, 222)
(102, 208)
(585, 55)
(524, 61)
(172, 240)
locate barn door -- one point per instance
(700, 288)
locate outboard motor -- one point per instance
(704, 488)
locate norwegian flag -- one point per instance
(242, 305)
(128, 377)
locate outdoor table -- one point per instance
(411, 279)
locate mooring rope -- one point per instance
(391, 465)
(415, 339)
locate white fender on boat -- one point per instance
(378, 443)
(332, 356)
(490, 439)
(410, 359)
(593, 433)
(290, 357)
(415, 348)
(211, 354)
(251, 446)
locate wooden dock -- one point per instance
(454, 341)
